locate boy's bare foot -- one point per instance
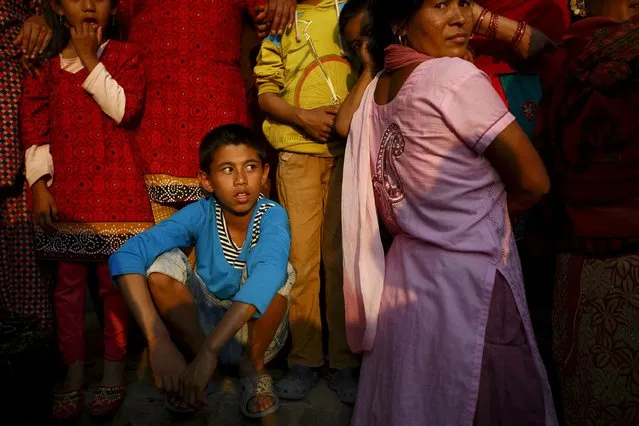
(262, 400)
(113, 373)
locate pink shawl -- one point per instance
(364, 264)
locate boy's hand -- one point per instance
(34, 36)
(86, 39)
(167, 365)
(318, 122)
(196, 376)
(45, 211)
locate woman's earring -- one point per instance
(402, 40)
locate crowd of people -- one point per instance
(454, 205)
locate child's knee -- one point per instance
(162, 282)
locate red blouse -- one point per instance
(98, 173)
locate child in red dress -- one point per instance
(76, 115)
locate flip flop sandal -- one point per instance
(344, 384)
(178, 408)
(254, 387)
(107, 400)
(297, 383)
(67, 404)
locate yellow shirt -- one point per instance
(306, 68)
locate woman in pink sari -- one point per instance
(442, 319)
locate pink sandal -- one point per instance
(67, 404)
(107, 400)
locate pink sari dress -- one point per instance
(446, 306)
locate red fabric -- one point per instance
(116, 316)
(98, 177)
(590, 109)
(191, 53)
(69, 298)
(551, 17)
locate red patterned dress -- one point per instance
(98, 185)
(191, 53)
(23, 291)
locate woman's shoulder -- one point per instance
(446, 70)
(437, 78)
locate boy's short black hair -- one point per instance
(351, 9)
(228, 134)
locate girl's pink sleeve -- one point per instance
(34, 111)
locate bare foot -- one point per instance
(75, 376)
(260, 403)
(113, 373)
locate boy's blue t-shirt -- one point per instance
(219, 261)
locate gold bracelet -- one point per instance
(492, 26)
(480, 19)
(519, 34)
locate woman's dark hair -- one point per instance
(351, 9)
(61, 34)
(383, 14)
(228, 134)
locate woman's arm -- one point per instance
(474, 111)
(525, 40)
(520, 168)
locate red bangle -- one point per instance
(492, 26)
(480, 19)
(519, 34)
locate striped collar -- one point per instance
(233, 253)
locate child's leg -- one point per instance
(116, 320)
(261, 332)
(339, 353)
(300, 191)
(260, 335)
(178, 309)
(69, 299)
(341, 359)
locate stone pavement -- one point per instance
(144, 404)
(143, 407)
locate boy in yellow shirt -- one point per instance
(302, 77)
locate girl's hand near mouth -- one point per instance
(86, 39)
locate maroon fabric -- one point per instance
(510, 390)
(589, 131)
(69, 313)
